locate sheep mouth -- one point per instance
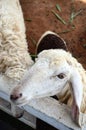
(20, 102)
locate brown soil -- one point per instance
(39, 18)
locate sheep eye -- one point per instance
(61, 76)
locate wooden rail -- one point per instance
(47, 109)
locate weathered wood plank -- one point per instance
(52, 112)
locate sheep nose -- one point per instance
(14, 97)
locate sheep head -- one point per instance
(51, 72)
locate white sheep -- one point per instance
(55, 72)
(14, 56)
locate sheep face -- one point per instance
(47, 77)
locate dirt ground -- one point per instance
(39, 18)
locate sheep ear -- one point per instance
(50, 40)
(77, 89)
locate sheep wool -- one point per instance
(14, 56)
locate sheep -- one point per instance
(55, 72)
(15, 59)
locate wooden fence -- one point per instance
(48, 110)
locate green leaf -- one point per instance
(74, 15)
(58, 17)
(28, 20)
(58, 7)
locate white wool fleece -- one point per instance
(14, 56)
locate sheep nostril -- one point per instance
(20, 94)
(15, 96)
